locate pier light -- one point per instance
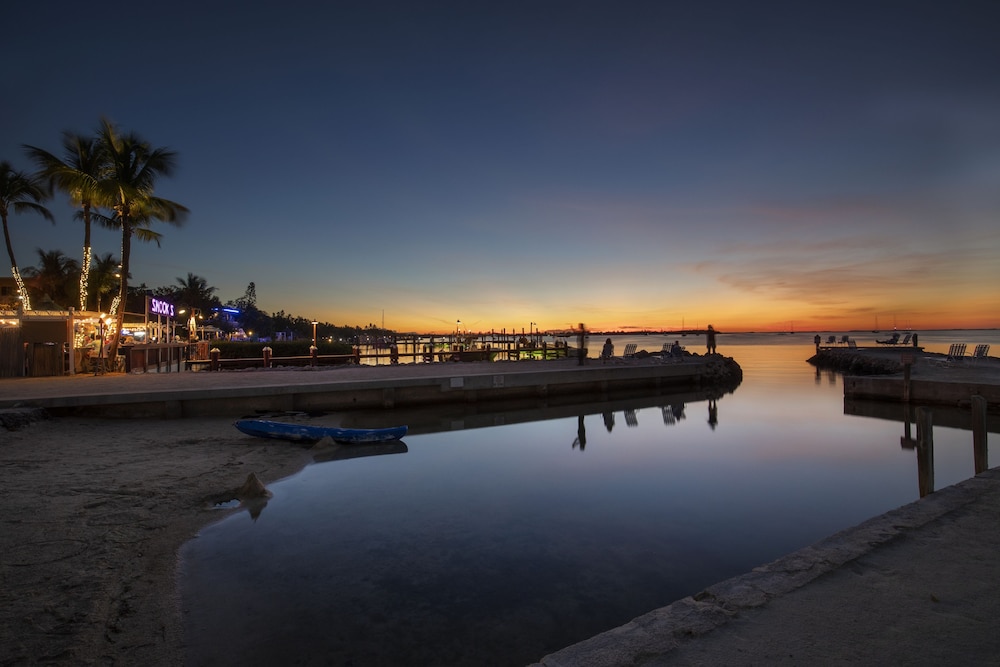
(314, 323)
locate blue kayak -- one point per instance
(305, 433)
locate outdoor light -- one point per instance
(314, 332)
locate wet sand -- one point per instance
(93, 515)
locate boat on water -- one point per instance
(263, 428)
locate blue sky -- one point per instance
(622, 164)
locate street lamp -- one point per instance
(314, 332)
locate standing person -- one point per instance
(710, 339)
(817, 339)
(583, 342)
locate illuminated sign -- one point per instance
(157, 307)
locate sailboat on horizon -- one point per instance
(876, 329)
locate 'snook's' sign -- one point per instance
(157, 307)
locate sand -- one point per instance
(94, 513)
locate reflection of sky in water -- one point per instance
(497, 545)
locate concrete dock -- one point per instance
(917, 376)
(918, 585)
(236, 393)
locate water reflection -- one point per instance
(339, 452)
(581, 434)
(918, 431)
(450, 417)
(493, 543)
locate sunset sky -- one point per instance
(629, 165)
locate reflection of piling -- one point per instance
(907, 441)
(907, 360)
(925, 451)
(979, 434)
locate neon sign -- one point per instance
(158, 307)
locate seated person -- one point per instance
(676, 350)
(609, 349)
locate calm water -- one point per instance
(496, 545)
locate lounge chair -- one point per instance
(629, 352)
(892, 340)
(906, 339)
(981, 352)
(845, 339)
(852, 344)
(664, 353)
(956, 352)
(831, 340)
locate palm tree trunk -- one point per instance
(116, 334)
(87, 256)
(21, 289)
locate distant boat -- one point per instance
(876, 329)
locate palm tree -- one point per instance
(126, 187)
(104, 274)
(53, 277)
(76, 174)
(194, 292)
(21, 193)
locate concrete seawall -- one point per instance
(236, 393)
(930, 392)
(914, 376)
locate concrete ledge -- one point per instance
(928, 392)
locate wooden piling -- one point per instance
(980, 454)
(925, 451)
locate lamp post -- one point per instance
(99, 366)
(314, 323)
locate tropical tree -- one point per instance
(194, 292)
(77, 174)
(54, 277)
(127, 188)
(251, 317)
(104, 274)
(20, 193)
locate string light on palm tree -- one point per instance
(77, 174)
(20, 193)
(126, 187)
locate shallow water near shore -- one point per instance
(497, 545)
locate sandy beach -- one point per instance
(94, 512)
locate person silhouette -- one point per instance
(609, 420)
(581, 434)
